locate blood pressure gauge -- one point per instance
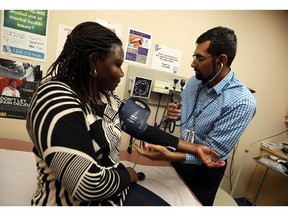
(141, 87)
(176, 98)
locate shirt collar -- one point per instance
(224, 83)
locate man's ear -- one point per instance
(223, 59)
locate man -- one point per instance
(215, 110)
(28, 72)
(11, 90)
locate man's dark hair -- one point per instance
(223, 41)
(12, 80)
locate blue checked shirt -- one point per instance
(218, 115)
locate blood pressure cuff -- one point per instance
(134, 115)
(156, 136)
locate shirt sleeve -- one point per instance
(192, 159)
(5, 92)
(228, 129)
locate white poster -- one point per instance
(138, 47)
(24, 33)
(63, 31)
(166, 59)
(116, 28)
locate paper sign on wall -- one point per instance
(63, 31)
(138, 46)
(18, 82)
(24, 33)
(166, 59)
(116, 28)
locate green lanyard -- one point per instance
(193, 113)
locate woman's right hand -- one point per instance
(133, 174)
(174, 111)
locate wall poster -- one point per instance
(18, 82)
(116, 28)
(24, 33)
(138, 46)
(63, 32)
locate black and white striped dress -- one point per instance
(77, 152)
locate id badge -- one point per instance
(189, 136)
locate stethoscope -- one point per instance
(195, 115)
(173, 124)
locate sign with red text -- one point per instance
(166, 59)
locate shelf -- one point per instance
(272, 190)
(277, 152)
(271, 164)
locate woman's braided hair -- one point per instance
(72, 65)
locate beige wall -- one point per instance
(261, 63)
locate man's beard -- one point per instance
(204, 80)
(198, 75)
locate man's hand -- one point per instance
(208, 156)
(174, 111)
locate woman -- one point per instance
(74, 123)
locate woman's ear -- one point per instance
(92, 59)
(93, 65)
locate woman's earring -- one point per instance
(95, 73)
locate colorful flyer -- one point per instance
(24, 33)
(18, 82)
(138, 47)
(166, 59)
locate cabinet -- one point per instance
(274, 188)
